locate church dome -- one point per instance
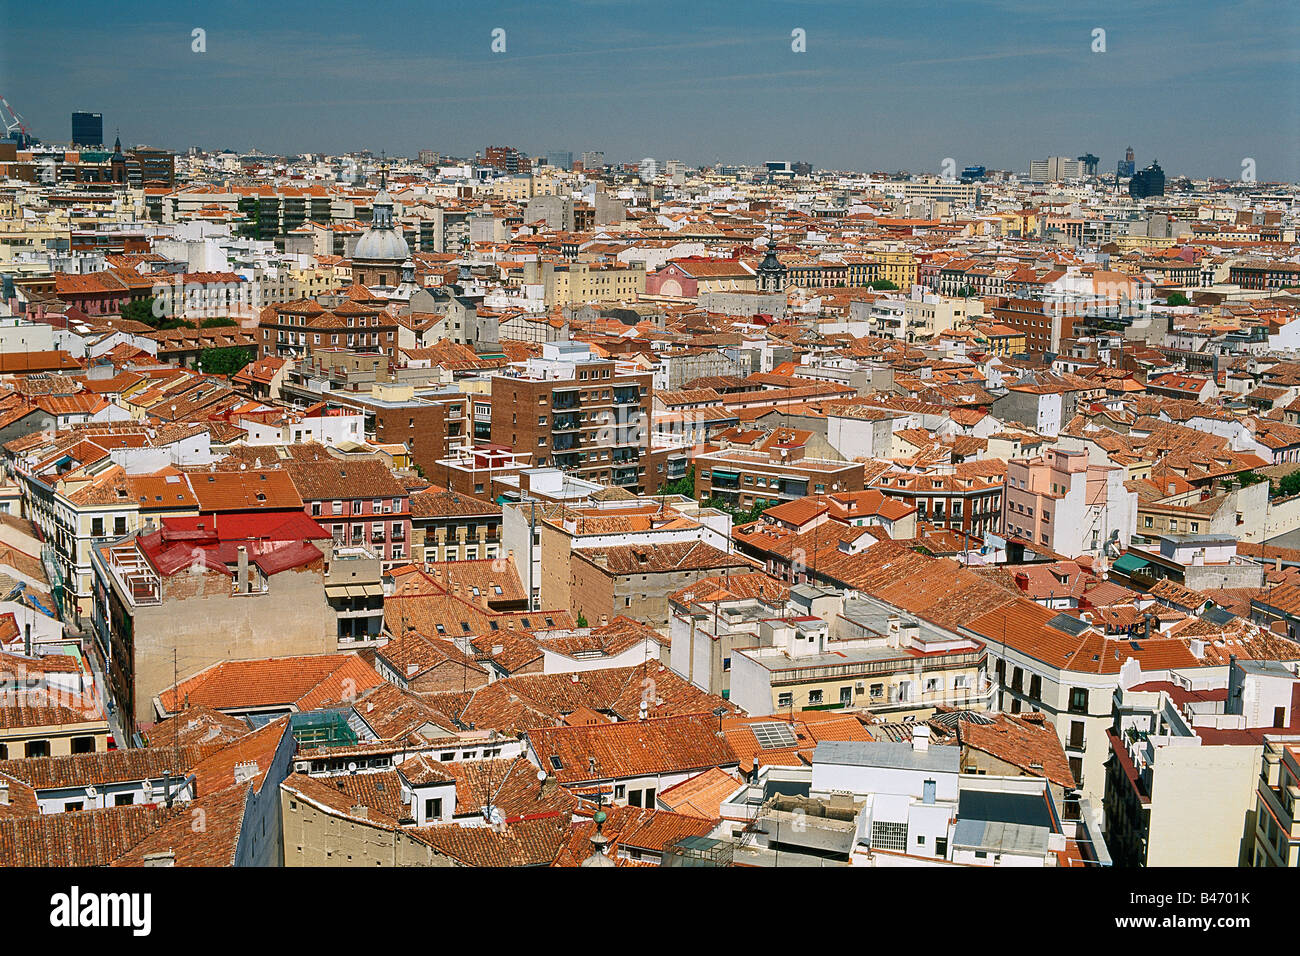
(382, 245)
(381, 242)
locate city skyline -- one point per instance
(995, 84)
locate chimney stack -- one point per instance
(241, 575)
(921, 738)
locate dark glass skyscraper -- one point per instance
(87, 129)
(1148, 182)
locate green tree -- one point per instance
(1289, 485)
(141, 310)
(1177, 298)
(218, 322)
(582, 620)
(881, 285)
(225, 361)
(739, 515)
(685, 485)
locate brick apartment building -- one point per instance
(571, 410)
(966, 498)
(743, 477)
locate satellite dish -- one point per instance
(91, 792)
(541, 775)
(352, 766)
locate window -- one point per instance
(814, 697)
(125, 800)
(72, 805)
(1076, 734)
(1078, 700)
(433, 808)
(785, 700)
(1147, 521)
(846, 695)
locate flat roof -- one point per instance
(888, 755)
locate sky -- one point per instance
(880, 86)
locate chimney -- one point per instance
(27, 639)
(245, 771)
(4, 793)
(241, 575)
(360, 810)
(921, 738)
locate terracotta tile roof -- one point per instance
(661, 558)
(301, 682)
(215, 844)
(532, 842)
(268, 489)
(89, 838)
(197, 725)
(509, 785)
(632, 829)
(732, 587)
(700, 795)
(1026, 741)
(631, 748)
(525, 701)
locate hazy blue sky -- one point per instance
(882, 86)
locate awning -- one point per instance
(1128, 563)
(353, 590)
(719, 473)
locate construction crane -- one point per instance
(15, 128)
